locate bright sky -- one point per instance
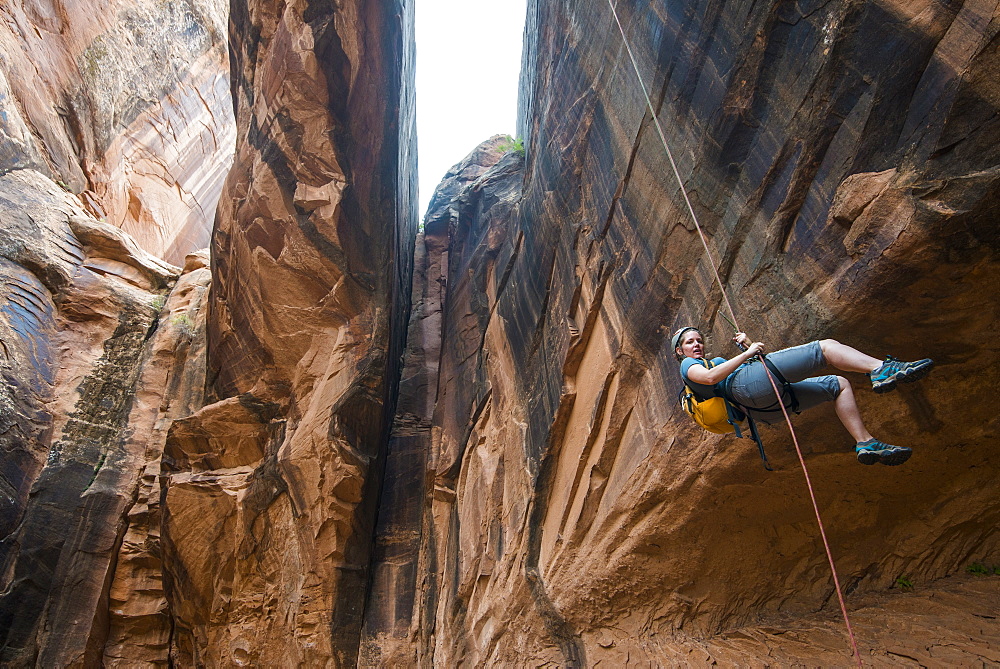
(468, 63)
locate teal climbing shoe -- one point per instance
(873, 450)
(892, 371)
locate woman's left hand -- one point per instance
(742, 339)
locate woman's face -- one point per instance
(692, 344)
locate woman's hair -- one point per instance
(677, 339)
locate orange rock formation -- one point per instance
(126, 104)
(317, 447)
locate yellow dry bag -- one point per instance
(712, 414)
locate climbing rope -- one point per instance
(725, 297)
(673, 165)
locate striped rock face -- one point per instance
(116, 131)
(127, 106)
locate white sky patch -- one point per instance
(468, 63)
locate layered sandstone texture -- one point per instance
(547, 502)
(269, 491)
(91, 343)
(162, 506)
(116, 132)
(126, 104)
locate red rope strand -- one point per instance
(819, 520)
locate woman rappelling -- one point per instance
(743, 381)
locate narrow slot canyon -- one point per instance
(259, 409)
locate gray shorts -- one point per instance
(751, 388)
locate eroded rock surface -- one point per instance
(192, 459)
(154, 494)
(140, 622)
(116, 131)
(843, 159)
(270, 489)
(459, 269)
(80, 306)
(127, 105)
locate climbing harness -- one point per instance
(792, 403)
(722, 288)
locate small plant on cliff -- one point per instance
(511, 144)
(158, 302)
(903, 582)
(97, 469)
(184, 324)
(979, 569)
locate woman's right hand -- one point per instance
(755, 348)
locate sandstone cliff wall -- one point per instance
(83, 370)
(549, 502)
(116, 131)
(140, 527)
(193, 463)
(126, 104)
(269, 491)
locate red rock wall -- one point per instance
(269, 491)
(126, 104)
(116, 130)
(84, 371)
(553, 504)
(141, 527)
(192, 478)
